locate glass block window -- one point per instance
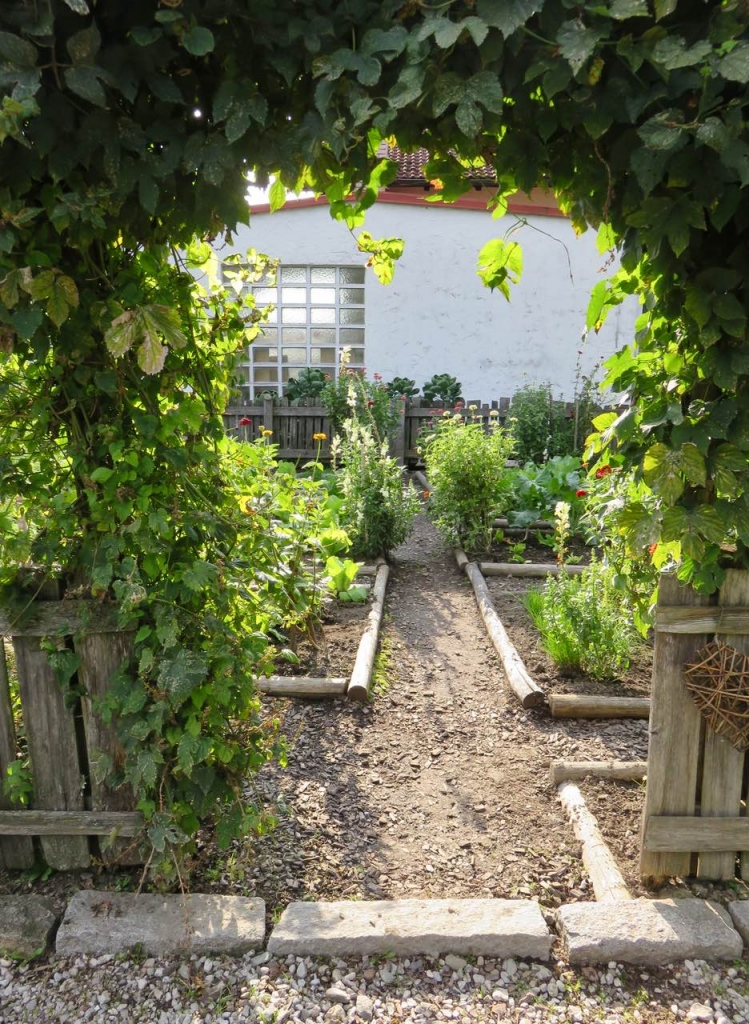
(317, 312)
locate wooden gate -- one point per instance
(695, 820)
(64, 738)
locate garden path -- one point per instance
(439, 787)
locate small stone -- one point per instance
(261, 958)
(699, 1012)
(301, 970)
(335, 1013)
(337, 995)
(364, 1007)
(510, 968)
(455, 963)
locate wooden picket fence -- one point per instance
(294, 425)
(695, 820)
(70, 807)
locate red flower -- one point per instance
(580, 493)
(652, 549)
(245, 422)
(377, 376)
(370, 403)
(602, 471)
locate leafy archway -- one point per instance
(127, 129)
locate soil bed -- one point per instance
(618, 808)
(507, 594)
(533, 551)
(332, 652)
(439, 787)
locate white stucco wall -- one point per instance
(437, 317)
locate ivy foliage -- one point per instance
(127, 128)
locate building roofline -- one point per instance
(521, 206)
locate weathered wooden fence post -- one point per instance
(694, 821)
(268, 413)
(398, 443)
(70, 803)
(16, 852)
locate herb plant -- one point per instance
(352, 395)
(586, 624)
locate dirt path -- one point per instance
(438, 787)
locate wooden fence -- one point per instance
(293, 426)
(64, 737)
(695, 819)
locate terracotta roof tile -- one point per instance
(411, 167)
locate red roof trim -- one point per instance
(412, 198)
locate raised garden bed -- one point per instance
(507, 596)
(345, 640)
(333, 651)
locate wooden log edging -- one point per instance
(461, 558)
(528, 569)
(608, 883)
(523, 685)
(573, 705)
(303, 686)
(361, 676)
(616, 771)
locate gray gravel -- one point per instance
(260, 988)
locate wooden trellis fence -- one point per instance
(695, 820)
(70, 807)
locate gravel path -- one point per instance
(440, 786)
(261, 989)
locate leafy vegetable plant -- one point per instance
(341, 574)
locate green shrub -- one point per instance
(586, 624)
(470, 486)
(402, 386)
(538, 488)
(308, 383)
(442, 389)
(377, 511)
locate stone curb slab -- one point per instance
(647, 932)
(26, 923)
(107, 922)
(739, 912)
(411, 927)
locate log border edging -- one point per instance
(607, 880)
(361, 675)
(521, 682)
